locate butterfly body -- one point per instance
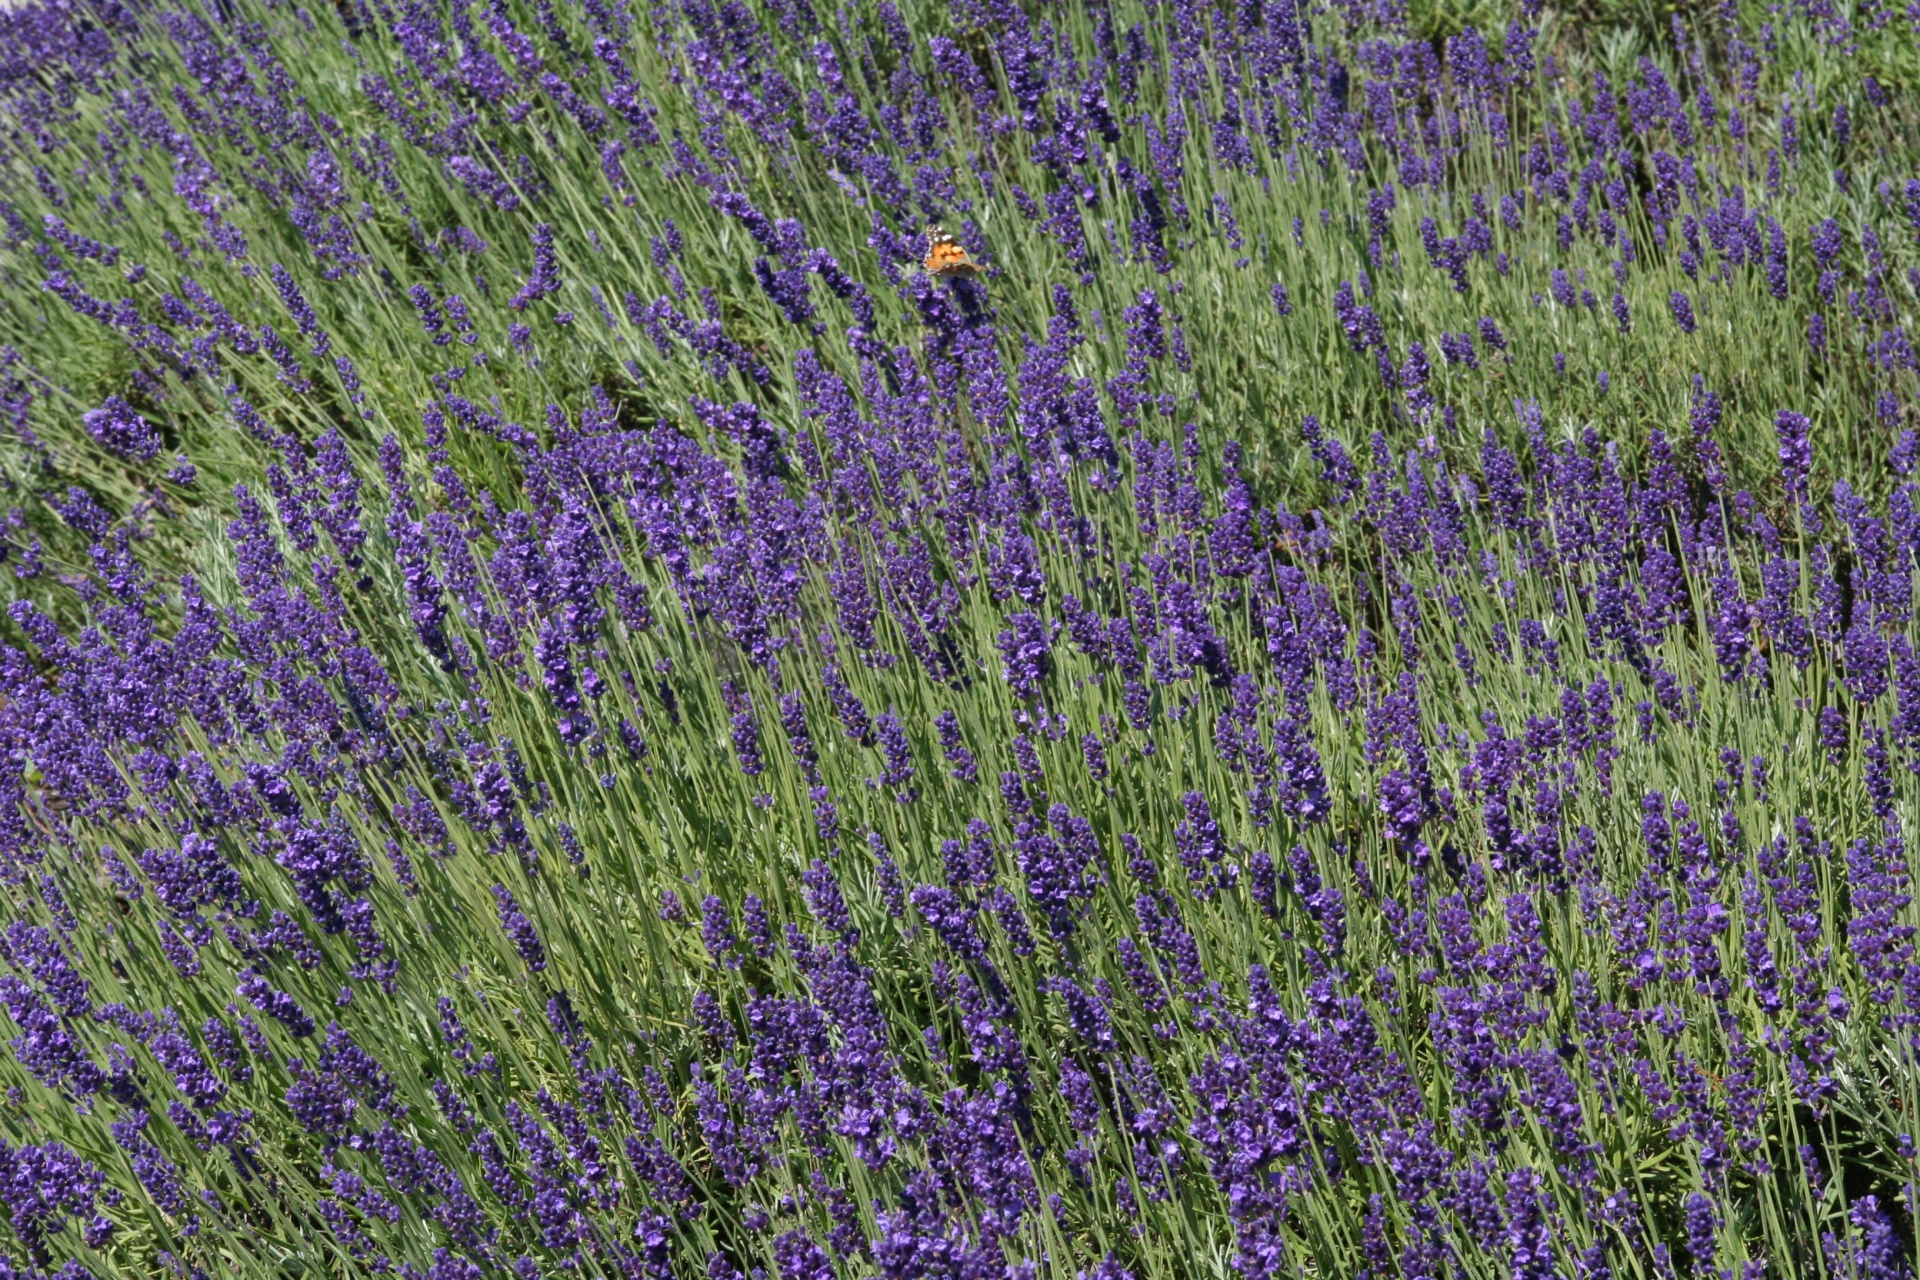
(946, 258)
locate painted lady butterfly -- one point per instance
(946, 259)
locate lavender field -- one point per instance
(1345, 706)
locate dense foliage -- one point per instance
(1347, 708)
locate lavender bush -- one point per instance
(1348, 708)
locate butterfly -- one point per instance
(946, 259)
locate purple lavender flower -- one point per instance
(1795, 431)
(545, 279)
(753, 914)
(1458, 348)
(1413, 378)
(1529, 1237)
(44, 1186)
(898, 755)
(1025, 655)
(121, 431)
(1833, 733)
(519, 929)
(1359, 321)
(1683, 312)
(1303, 786)
(824, 899)
(1201, 848)
(1405, 807)
(278, 1005)
(965, 768)
(793, 718)
(42, 954)
(159, 1175)
(746, 743)
(1094, 752)
(1336, 465)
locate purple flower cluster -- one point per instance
(519, 929)
(116, 427)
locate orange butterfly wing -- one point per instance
(946, 259)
